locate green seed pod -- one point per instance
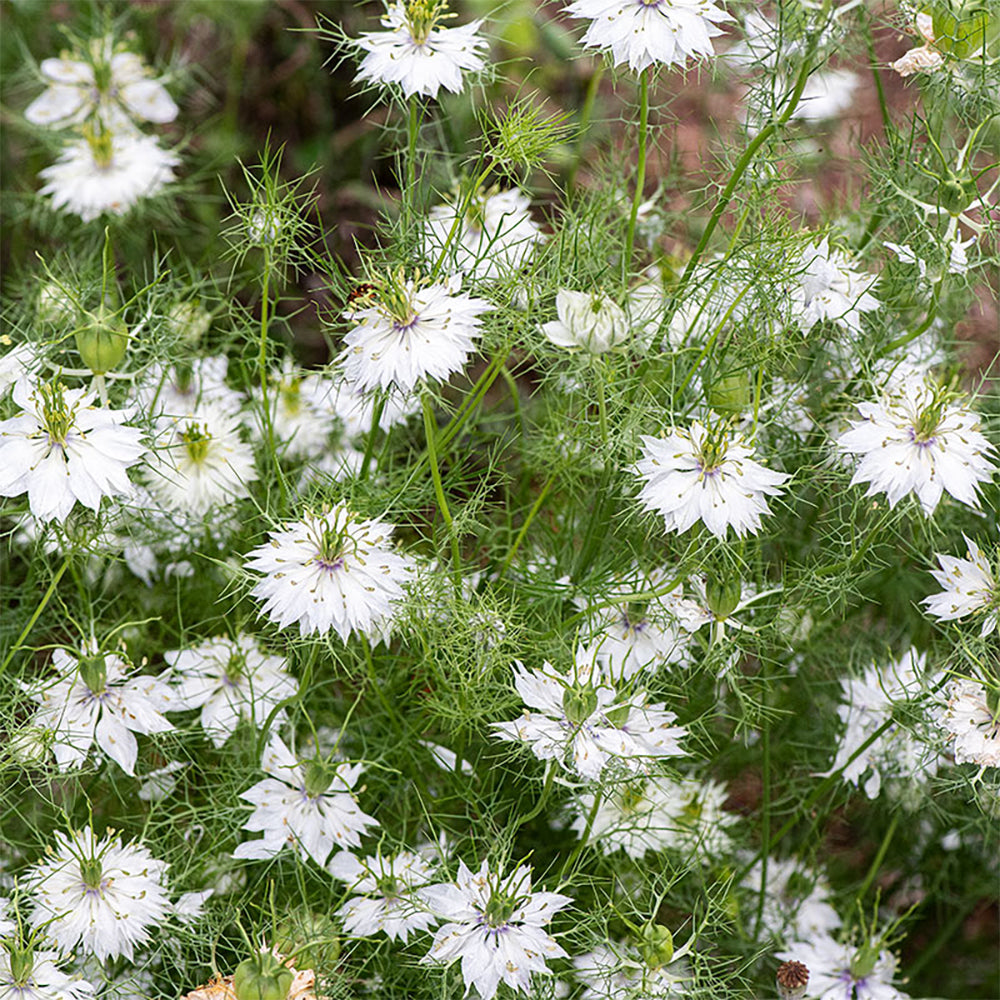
(94, 672)
(311, 937)
(579, 704)
(657, 945)
(729, 394)
(102, 341)
(965, 33)
(262, 978)
(723, 595)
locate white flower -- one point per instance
(868, 704)
(229, 680)
(389, 899)
(98, 895)
(614, 972)
(796, 900)
(593, 322)
(301, 418)
(970, 588)
(495, 238)
(906, 255)
(120, 90)
(706, 474)
(925, 58)
(182, 390)
(15, 365)
(829, 288)
(495, 925)
(918, 438)
(417, 53)
(331, 570)
(108, 175)
(61, 449)
(355, 407)
(973, 722)
(644, 32)
(841, 972)
(826, 95)
(585, 723)
(94, 699)
(27, 973)
(305, 805)
(200, 462)
(160, 782)
(417, 332)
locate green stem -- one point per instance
(379, 693)
(413, 131)
(584, 837)
(743, 163)
(527, 523)
(460, 212)
(46, 597)
(585, 112)
(640, 180)
(765, 824)
(430, 431)
(370, 443)
(542, 798)
(879, 857)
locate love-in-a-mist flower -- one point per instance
(972, 718)
(98, 895)
(355, 406)
(30, 971)
(200, 462)
(589, 321)
(643, 32)
(868, 701)
(494, 239)
(306, 805)
(229, 680)
(183, 389)
(109, 172)
(413, 332)
(919, 438)
(96, 697)
(331, 571)
(615, 971)
(585, 723)
(301, 420)
(843, 971)
(16, 364)
(796, 900)
(970, 588)
(417, 53)
(390, 898)
(828, 287)
(60, 449)
(114, 86)
(707, 474)
(495, 925)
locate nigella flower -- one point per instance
(592, 322)
(98, 895)
(300, 416)
(229, 680)
(355, 406)
(331, 570)
(494, 238)
(60, 449)
(17, 364)
(109, 172)
(919, 438)
(495, 925)
(612, 972)
(971, 717)
(200, 462)
(28, 972)
(115, 86)
(413, 332)
(970, 588)
(708, 474)
(390, 897)
(181, 390)
(307, 805)
(796, 900)
(417, 53)
(828, 287)
(584, 722)
(655, 813)
(868, 703)
(96, 698)
(644, 32)
(839, 971)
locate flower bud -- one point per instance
(262, 978)
(102, 341)
(657, 945)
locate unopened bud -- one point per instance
(792, 979)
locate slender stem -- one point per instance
(46, 597)
(430, 430)
(460, 212)
(370, 443)
(765, 823)
(585, 112)
(262, 351)
(527, 523)
(379, 693)
(743, 163)
(602, 408)
(584, 836)
(413, 131)
(542, 798)
(640, 180)
(879, 857)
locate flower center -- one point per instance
(319, 775)
(499, 910)
(92, 875)
(423, 15)
(56, 415)
(235, 669)
(101, 145)
(197, 441)
(291, 396)
(94, 673)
